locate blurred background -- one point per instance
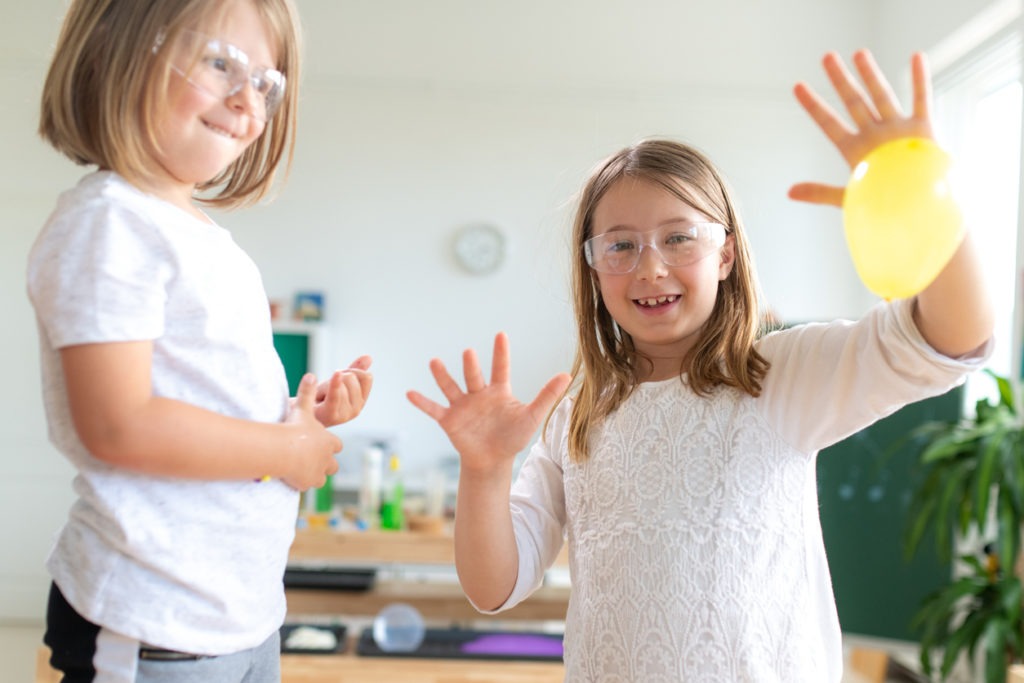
(419, 119)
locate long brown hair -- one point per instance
(605, 367)
(103, 89)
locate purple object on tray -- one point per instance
(520, 644)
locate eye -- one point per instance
(678, 241)
(262, 85)
(678, 238)
(266, 81)
(617, 244)
(218, 63)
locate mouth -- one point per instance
(656, 301)
(223, 132)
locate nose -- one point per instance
(650, 265)
(244, 98)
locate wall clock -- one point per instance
(480, 248)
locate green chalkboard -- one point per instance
(864, 491)
(293, 347)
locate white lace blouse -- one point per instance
(695, 546)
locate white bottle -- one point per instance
(369, 486)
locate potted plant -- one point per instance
(973, 482)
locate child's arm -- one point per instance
(488, 426)
(954, 313)
(120, 421)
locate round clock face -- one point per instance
(480, 248)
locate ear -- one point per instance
(727, 257)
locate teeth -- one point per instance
(656, 301)
(220, 131)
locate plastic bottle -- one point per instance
(369, 486)
(391, 515)
(325, 495)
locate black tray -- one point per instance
(339, 630)
(330, 578)
(458, 643)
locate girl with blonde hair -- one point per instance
(161, 383)
(679, 464)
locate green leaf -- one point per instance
(965, 637)
(994, 639)
(1010, 599)
(974, 562)
(922, 513)
(948, 445)
(1005, 390)
(983, 486)
(950, 512)
(1008, 522)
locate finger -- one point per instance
(501, 361)
(885, 101)
(921, 77)
(448, 386)
(853, 97)
(817, 193)
(359, 382)
(471, 370)
(429, 407)
(305, 395)
(550, 394)
(353, 391)
(834, 128)
(328, 390)
(361, 363)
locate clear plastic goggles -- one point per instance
(222, 70)
(618, 251)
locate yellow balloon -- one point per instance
(902, 222)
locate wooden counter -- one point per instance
(348, 668)
(435, 600)
(355, 669)
(379, 547)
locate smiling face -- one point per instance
(198, 134)
(663, 308)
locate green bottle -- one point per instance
(391, 515)
(325, 495)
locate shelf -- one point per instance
(401, 552)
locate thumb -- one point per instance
(305, 396)
(551, 392)
(817, 193)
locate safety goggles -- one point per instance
(222, 70)
(618, 251)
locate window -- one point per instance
(978, 108)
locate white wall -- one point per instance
(421, 117)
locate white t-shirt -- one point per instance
(182, 564)
(695, 546)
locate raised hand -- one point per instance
(343, 396)
(486, 424)
(311, 451)
(876, 114)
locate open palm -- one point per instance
(874, 109)
(486, 423)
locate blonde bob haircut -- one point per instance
(108, 82)
(606, 366)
